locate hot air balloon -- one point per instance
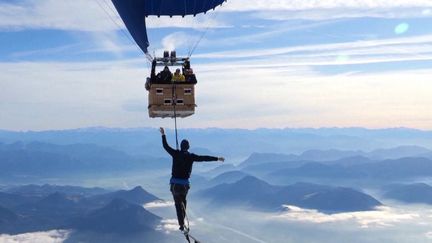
(168, 96)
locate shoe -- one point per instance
(181, 228)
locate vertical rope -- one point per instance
(174, 100)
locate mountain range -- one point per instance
(118, 216)
(146, 141)
(42, 159)
(337, 156)
(380, 170)
(58, 210)
(410, 193)
(38, 160)
(255, 193)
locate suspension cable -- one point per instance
(216, 12)
(109, 7)
(174, 100)
(186, 217)
(199, 40)
(117, 24)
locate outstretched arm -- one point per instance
(165, 143)
(200, 158)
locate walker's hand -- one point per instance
(162, 131)
(222, 159)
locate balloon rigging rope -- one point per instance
(115, 22)
(205, 31)
(109, 7)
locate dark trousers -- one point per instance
(179, 193)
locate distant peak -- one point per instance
(251, 180)
(118, 203)
(137, 189)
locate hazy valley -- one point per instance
(106, 185)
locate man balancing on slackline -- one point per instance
(181, 171)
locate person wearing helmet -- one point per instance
(182, 161)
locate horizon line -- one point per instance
(217, 128)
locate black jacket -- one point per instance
(183, 160)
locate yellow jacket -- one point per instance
(178, 78)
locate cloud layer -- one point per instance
(100, 15)
(382, 217)
(53, 236)
(66, 95)
(363, 51)
(82, 15)
(159, 204)
(248, 5)
(263, 68)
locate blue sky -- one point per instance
(335, 63)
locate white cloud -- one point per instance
(81, 15)
(53, 236)
(108, 42)
(410, 47)
(248, 94)
(297, 97)
(170, 225)
(331, 9)
(427, 12)
(340, 13)
(259, 5)
(159, 204)
(47, 51)
(198, 22)
(95, 22)
(84, 15)
(63, 94)
(382, 217)
(264, 33)
(100, 15)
